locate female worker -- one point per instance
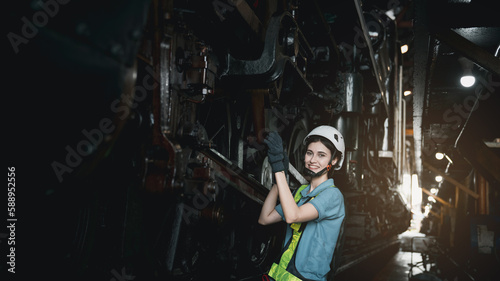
(320, 205)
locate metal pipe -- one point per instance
(376, 69)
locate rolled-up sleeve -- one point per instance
(279, 209)
(329, 204)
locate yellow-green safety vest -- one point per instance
(278, 271)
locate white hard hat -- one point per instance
(333, 135)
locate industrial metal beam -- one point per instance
(452, 180)
(234, 176)
(488, 160)
(483, 158)
(376, 70)
(439, 199)
(249, 16)
(470, 50)
(435, 214)
(421, 58)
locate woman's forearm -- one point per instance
(290, 208)
(269, 205)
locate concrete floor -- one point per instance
(392, 264)
(388, 266)
(402, 261)
(397, 268)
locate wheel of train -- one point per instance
(296, 149)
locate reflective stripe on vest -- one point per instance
(278, 271)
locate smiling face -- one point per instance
(318, 157)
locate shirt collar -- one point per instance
(318, 189)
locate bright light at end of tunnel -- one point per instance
(407, 93)
(404, 49)
(416, 194)
(467, 81)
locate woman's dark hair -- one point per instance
(335, 153)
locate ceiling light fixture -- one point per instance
(467, 79)
(438, 178)
(439, 155)
(404, 49)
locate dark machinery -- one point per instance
(171, 187)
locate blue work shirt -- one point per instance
(317, 244)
